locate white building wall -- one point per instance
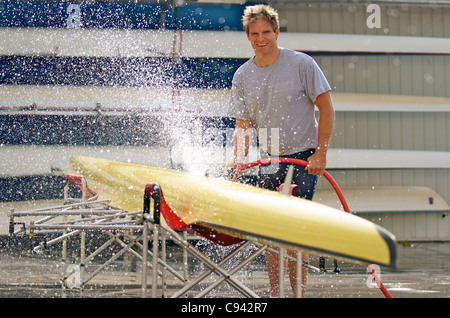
(412, 74)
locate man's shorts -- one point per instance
(271, 176)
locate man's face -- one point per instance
(262, 37)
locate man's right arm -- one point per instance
(241, 138)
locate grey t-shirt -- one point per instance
(279, 101)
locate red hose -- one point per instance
(301, 163)
(335, 187)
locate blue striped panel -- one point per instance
(35, 187)
(77, 130)
(59, 14)
(116, 71)
(50, 14)
(206, 17)
(94, 130)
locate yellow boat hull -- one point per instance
(241, 211)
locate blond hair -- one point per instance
(260, 12)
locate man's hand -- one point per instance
(241, 138)
(317, 163)
(232, 171)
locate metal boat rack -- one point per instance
(145, 237)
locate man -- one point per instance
(274, 93)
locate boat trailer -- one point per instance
(143, 235)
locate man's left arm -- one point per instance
(317, 162)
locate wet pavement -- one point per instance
(423, 272)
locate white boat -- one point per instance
(18, 99)
(412, 213)
(191, 44)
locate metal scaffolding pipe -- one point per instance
(63, 213)
(111, 227)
